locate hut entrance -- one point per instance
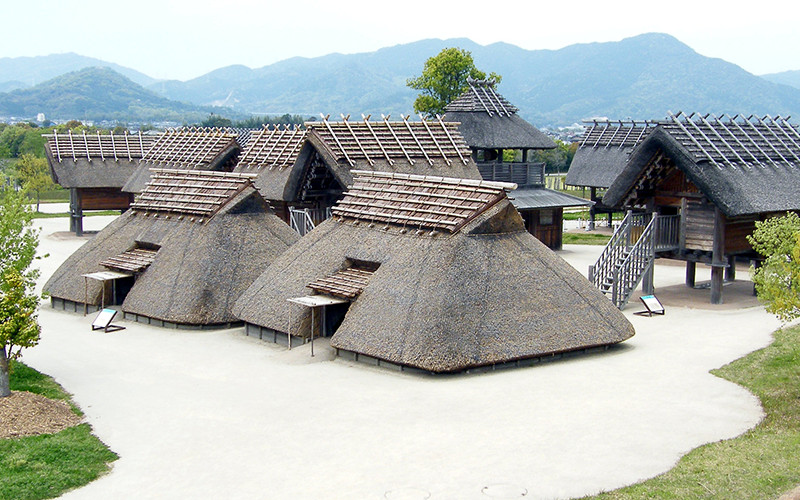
(334, 315)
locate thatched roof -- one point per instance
(604, 151)
(192, 148)
(95, 160)
(190, 267)
(442, 297)
(281, 156)
(488, 121)
(744, 165)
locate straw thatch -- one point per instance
(95, 160)
(461, 286)
(742, 165)
(488, 121)
(200, 261)
(210, 149)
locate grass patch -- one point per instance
(25, 378)
(43, 215)
(585, 239)
(48, 465)
(763, 462)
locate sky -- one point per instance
(184, 39)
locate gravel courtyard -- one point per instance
(209, 414)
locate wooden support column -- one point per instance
(75, 212)
(647, 279)
(592, 212)
(718, 263)
(730, 271)
(691, 272)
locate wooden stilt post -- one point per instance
(730, 271)
(718, 263)
(691, 272)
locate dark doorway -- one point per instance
(334, 315)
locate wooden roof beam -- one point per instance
(464, 160)
(436, 143)
(766, 141)
(416, 140)
(377, 139)
(397, 139)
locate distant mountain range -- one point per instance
(639, 77)
(791, 78)
(96, 93)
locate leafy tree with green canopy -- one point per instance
(216, 121)
(19, 327)
(34, 175)
(443, 79)
(777, 281)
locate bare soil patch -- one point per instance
(28, 414)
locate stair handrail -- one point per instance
(620, 241)
(305, 224)
(628, 275)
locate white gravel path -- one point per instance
(221, 415)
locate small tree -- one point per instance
(777, 281)
(19, 327)
(443, 79)
(18, 302)
(34, 175)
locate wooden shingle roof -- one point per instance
(347, 283)
(190, 147)
(273, 147)
(392, 141)
(416, 201)
(482, 97)
(134, 261)
(96, 146)
(189, 192)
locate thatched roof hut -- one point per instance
(602, 154)
(190, 245)
(488, 121)
(187, 148)
(709, 179)
(742, 165)
(94, 168)
(310, 167)
(490, 125)
(433, 273)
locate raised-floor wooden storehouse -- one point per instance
(699, 182)
(189, 246)
(433, 273)
(187, 148)
(94, 167)
(602, 154)
(492, 129)
(304, 171)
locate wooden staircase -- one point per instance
(629, 257)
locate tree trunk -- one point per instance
(5, 388)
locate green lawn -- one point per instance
(48, 465)
(762, 463)
(43, 215)
(585, 239)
